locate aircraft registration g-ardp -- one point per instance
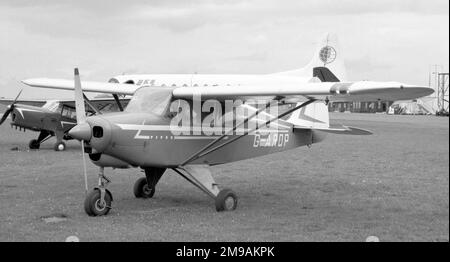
(190, 122)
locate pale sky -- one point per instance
(382, 40)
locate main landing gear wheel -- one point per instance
(94, 206)
(141, 189)
(60, 146)
(226, 200)
(34, 144)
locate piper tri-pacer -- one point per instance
(187, 123)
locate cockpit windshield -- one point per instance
(149, 99)
(52, 105)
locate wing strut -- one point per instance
(88, 102)
(208, 146)
(206, 150)
(118, 102)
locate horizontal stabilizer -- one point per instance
(324, 74)
(341, 130)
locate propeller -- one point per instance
(81, 117)
(10, 108)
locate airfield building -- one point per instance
(360, 107)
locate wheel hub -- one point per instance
(146, 189)
(229, 203)
(100, 205)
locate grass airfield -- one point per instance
(393, 184)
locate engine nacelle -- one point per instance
(103, 160)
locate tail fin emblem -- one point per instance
(327, 54)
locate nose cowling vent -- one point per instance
(97, 131)
(101, 133)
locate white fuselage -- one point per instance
(194, 80)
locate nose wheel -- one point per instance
(94, 205)
(98, 201)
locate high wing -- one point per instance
(88, 86)
(28, 102)
(103, 105)
(338, 92)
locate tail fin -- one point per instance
(328, 54)
(315, 116)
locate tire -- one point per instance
(59, 146)
(34, 144)
(92, 204)
(226, 200)
(142, 190)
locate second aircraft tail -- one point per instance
(328, 54)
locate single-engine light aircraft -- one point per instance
(205, 120)
(52, 117)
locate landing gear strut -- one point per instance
(59, 145)
(225, 199)
(43, 136)
(36, 143)
(98, 201)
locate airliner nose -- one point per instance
(417, 91)
(81, 132)
(427, 91)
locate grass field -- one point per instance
(393, 185)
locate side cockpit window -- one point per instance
(68, 112)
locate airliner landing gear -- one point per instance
(98, 201)
(145, 186)
(225, 199)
